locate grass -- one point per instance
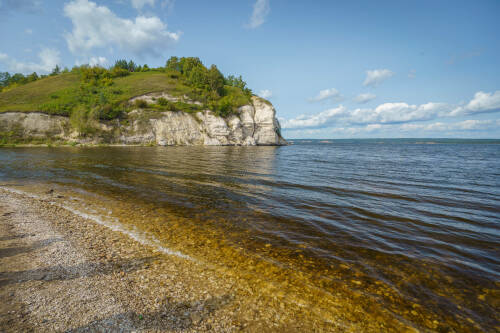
(62, 94)
(64, 89)
(31, 96)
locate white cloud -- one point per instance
(98, 61)
(412, 74)
(395, 113)
(377, 76)
(466, 125)
(266, 93)
(482, 102)
(261, 9)
(138, 4)
(466, 128)
(326, 94)
(321, 119)
(49, 58)
(96, 26)
(28, 31)
(364, 98)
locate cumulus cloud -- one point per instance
(466, 125)
(98, 61)
(322, 119)
(376, 77)
(326, 94)
(260, 11)
(266, 93)
(481, 103)
(97, 26)
(364, 98)
(49, 58)
(138, 4)
(394, 113)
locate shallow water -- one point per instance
(402, 232)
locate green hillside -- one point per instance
(105, 93)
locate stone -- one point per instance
(254, 124)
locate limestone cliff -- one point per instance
(254, 124)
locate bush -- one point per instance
(110, 111)
(163, 101)
(140, 103)
(119, 72)
(82, 120)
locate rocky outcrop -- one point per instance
(254, 124)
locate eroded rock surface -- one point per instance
(254, 124)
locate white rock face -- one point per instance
(34, 125)
(253, 125)
(267, 127)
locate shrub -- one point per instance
(119, 72)
(163, 101)
(110, 111)
(82, 120)
(140, 103)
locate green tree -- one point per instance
(188, 64)
(4, 79)
(215, 80)
(198, 77)
(132, 66)
(173, 64)
(32, 77)
(17, 78)
(56, 70)
(122, 63)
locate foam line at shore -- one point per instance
(115, 226)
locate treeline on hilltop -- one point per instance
(100, 96)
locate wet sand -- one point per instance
(60, 272)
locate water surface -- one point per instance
(404, 231)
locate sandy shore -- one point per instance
(60, 272)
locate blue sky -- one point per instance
(332, 69)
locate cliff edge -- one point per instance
(253, 124)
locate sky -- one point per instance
(332, 69)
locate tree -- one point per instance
(188, 64)
(4, 79)
(173, 64)
(56, 70)
(131, 66)
(198, 77)
(215, 80)
(17, 78)
(122, 63)
(32, 77)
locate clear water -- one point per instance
(405, 232)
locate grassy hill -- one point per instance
(105, 94)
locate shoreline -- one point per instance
(61, 272)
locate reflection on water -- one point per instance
(395, 232)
